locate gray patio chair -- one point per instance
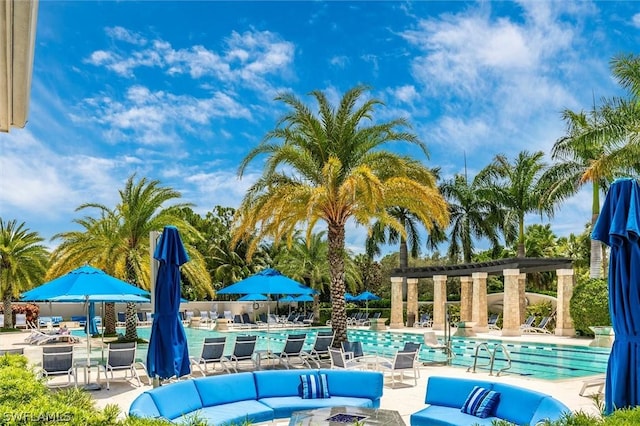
(403, 361)
(492, 323)
(540, 328)
(292, 349)
(352, 349)
(242, 351)
(320, 350)
(58, 360)
(212, 354)
(122, 357)
(338, 360)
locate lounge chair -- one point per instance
(528, 323)
(352, 349)
(338, 360)
(212, 354)
(21, 321)
(595, 382)
(373, 317)
(324, 340)
(14, 351)
(246, 321)
(122, 357)
(187, 317)
(424, 321)
(58, 360)
(38, 337)
(292, 349)
(541, 328)
(402, 362)
(243, 350)
(493, 322)
(228, 316)
(121, 320)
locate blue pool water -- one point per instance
(537, 360)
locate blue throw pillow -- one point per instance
(480, 402)
(314, 386)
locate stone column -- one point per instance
(439, 299)
(479, 307)
(564, 322)
(412, 298)
(511, 315)
(396, 320)
(522, 285)
(466, 299)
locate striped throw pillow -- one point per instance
(314, 386)
(480, 402)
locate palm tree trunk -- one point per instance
(8, 314)
(404, 263)
(110, 319)
(336, 272)
(595, 258)
(131, 332)
(521, 252)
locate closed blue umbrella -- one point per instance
(618, 226)
(168, 354)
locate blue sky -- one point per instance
(181, 91)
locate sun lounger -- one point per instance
(596, 382)
(403, 361)
(243, 350)
(541, 328)
(493, 322)
(212, 354)
(320, 349)
(292, 349)
(58, 360)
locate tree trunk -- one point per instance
(336, 272)
(521, 252)
(131, 332)
(8, 314)
(109, 319)
(404, 263)
(595, 258)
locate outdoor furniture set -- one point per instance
(460, 402)
(259, 396)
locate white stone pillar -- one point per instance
(396, 320)
(511, 314)
(479, 307)
(439, 300)
(466, 299)
(412, 298)
(564, 322)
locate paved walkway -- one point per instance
(406, 400)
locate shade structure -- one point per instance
(253, 297)
(168, 354)
(287, 299)
(349, 297)
(618, 226)
(303, 298)
(86, 284)
(268, 281)
(366, 296)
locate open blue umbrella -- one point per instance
(86, 284)
(255, 297)
(618, 226)
(365, 297)
(349, 297)
(168, 354)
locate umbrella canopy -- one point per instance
(366, 296)
(267, 281)
(287, 298)
(303, 298)
(253, 297)
(618, 226)
(168, 354)
(349, 297)
(86, 284)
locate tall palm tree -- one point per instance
(472, 217)
(518, 187)
(329, 166)
(118, 240)
(23, 263)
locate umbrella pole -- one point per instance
(87, 384)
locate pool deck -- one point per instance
(405, 399)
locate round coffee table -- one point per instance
(341, 416)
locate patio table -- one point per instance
(340, 416)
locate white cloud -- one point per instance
(406, 93)
(340, 61)
(122, 34)
(636, 20)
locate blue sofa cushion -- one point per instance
(215, 390)
(359, 384)
(143, 406)
(274, 383)
(435, 415)
(451, 393)
(517, 404)
(314, 386)
(176, 399)
(480, 402)
(235, 413)
(283, 406)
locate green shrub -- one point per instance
(590, 305)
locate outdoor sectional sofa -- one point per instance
(257, 396)
(446, 396)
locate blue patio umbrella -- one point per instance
(86, 284)
(253, 297)
(365, 297)
(168, 354)
(618, 226)
(304, 298)
(349, 297)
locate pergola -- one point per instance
(473, 292)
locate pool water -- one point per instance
(537, 360)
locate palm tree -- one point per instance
(518, 187)
(118, 241)
(330, 167)
(471, 217)
(23, 263)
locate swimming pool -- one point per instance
(537, 360)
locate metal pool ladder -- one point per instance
(492, 357)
